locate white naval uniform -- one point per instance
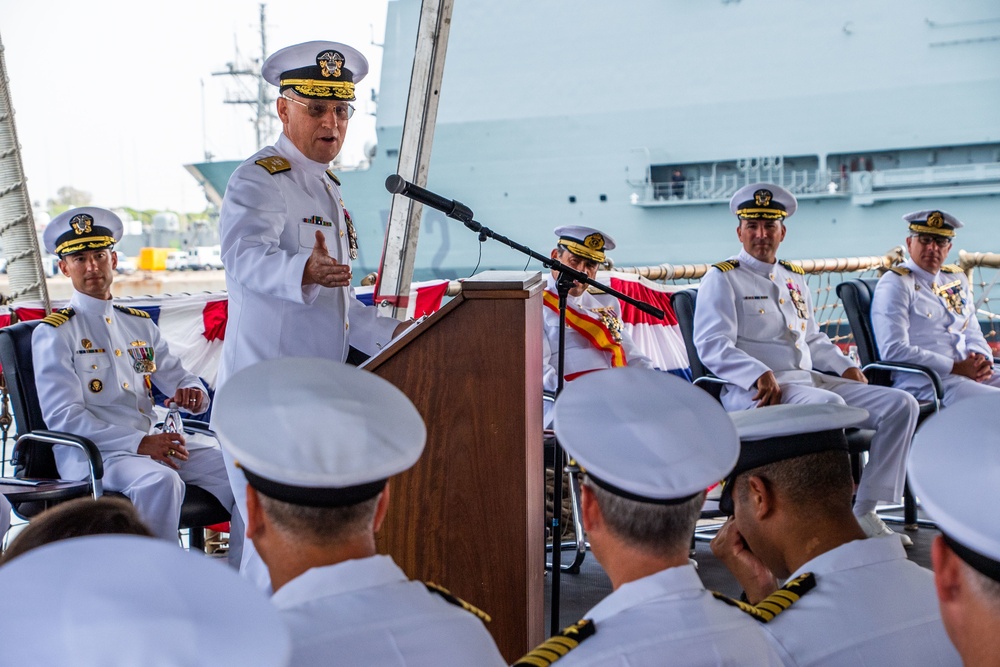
(268, 226)
(871, 607)
(87, 385)
(581, 355)
(668, 618)
(4, 516)
(746, 323)
(366, 612)
(914, 325)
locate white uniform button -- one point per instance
(108, 320)
(791, 326)
(341, 233)
(94, 367)
(781, 301)
(346, 326)
(124, 385)
(761, 311)
(118, 353)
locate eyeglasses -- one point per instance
(939, 241)
(317, 109)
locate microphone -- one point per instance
(397, 185)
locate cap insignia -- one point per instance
(82, 223)
(594, 241)
(762, 197)
(935, 220)
(330, 63)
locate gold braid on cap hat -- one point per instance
(91, 243)
(934, 225)
(592, 247)
(312, 87)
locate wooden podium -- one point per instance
(469, 514)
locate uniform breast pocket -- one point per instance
(307, 236)
(97, 376)
(758, 307)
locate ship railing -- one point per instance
(720, 187)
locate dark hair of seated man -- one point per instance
(78, 518)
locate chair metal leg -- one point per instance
(579, 543)
(196, 538)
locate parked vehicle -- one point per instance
(125, 265)
(177, 260)
(205, 258)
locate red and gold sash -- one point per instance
(590, 328)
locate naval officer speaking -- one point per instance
(287, 238)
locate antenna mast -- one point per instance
(261, 99)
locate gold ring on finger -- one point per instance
(170, 452)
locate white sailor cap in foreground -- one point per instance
(318, 70)
(763, 201)
(316, 432)
(645, 435)
(585, 242)
(781, 432)
(128, 600)
(954, 468)
(938, 223)
(84, 228)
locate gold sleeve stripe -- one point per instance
(132, 311)
(559, 645)
(727, 265)
(455, 600)
(794, 268)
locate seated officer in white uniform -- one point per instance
(847, 599)
(754, 326)
(317, 441)
(595, 338)
(95, 364)
(923, 313)
(4, 517)
(647, 469)
(953, 469)
(117, 600)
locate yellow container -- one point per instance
(153, 259)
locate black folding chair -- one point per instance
(33, 459)
(856, 297)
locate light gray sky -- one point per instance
(108, 93)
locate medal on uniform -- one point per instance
(352, 236)
(611, 321)
(953, 296)
(797, 300)
(142, 358)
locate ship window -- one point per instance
(572, 199)
(604, 198)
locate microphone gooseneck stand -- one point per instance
(567, 276)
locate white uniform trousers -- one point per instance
(891, 412)
(251, 566)
(158, 491)
(957, 387)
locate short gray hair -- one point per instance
(650, 526)
(319, 525)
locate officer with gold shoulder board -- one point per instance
(847, 599)
(318, 441)
(95, 364)
(650, 444)
(923, 313)
(595, 337)
(953, 469)
(287, 237)
(754, 327)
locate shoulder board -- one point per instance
(951, 268)
(275, 164)
(899, 270)
(333, 176)
(559, 645)
(132, 311)
(446, 594)
(794, 268)
(57, 317)
(727, 265)
(777, 602)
